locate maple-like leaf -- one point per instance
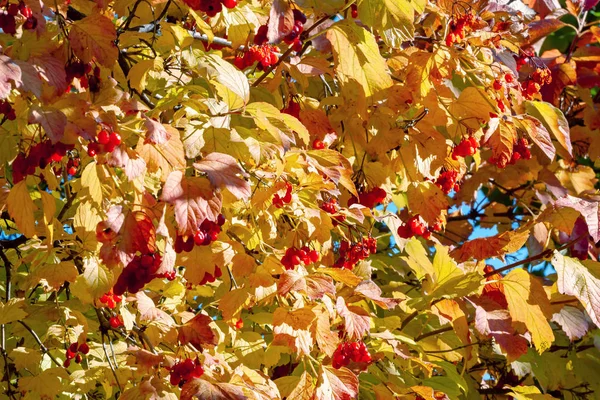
(336, 384)
(579, 279)
(10, 74)
(291, 328)
(21, 208)
(315, 286)
(529, 304)
(572, 321)
(281, 21)
(357, 321)
(203, 390)
(493, 246)
(197, 331)
(156, 133)
(371, 291)
(193, 201)
(224, 171)
(590, 211)
(305, 388)
(139, 233)
(555, 122)
(357, 58)
(92, 38)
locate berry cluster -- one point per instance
(520, 151)
(293, 109)
(72, 166)
(8, 20)
(40, 155)
(211, 7)
(207, 233)
(139, 271)
(294, 256)
(352, 253)
(532, 86)
(279, 201)
(293, 38)
(447, 181)
(185, 370)
(466, 147)
(110, 299)
(416, 226)
(89, 77)
(348, 352)
(210, 278)
(458, 27)
(74, 352)
(524, 58)
(369, 199)
(265, 55)
(331, 207)
(7, 110)
(106, 141)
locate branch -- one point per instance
(544, 254)
(438, 331)
(43, 348)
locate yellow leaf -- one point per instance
(555, 122)
(92, 38)
(25, 358)
(472, 105)
(93, 283)
(529, 304)
(85, 222)
(357, 58)
(233, 302)
(269, 118)
(418, 259)
(21, 208)
(345, 276)
(12, 311)
(426, 199)
(91, 181)
(138, 74)
(387, 15)
(231, 84)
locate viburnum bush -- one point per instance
(302, 200)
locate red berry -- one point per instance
(318, 144)
(66, 363)
(70, 354)
(84, 348)
(72, 171)
(73, 348)
(229, 3)
(115, 322)
(78, 358)
(147, 261)
(115, 139)
(93, 149)
(239, 324)
(313, 255)
(103, 137)
(497, 85)
(221, 220)
(199, 238)
(188, 245)
(509, 78)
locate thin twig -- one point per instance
(43, 348)
(112, 368)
